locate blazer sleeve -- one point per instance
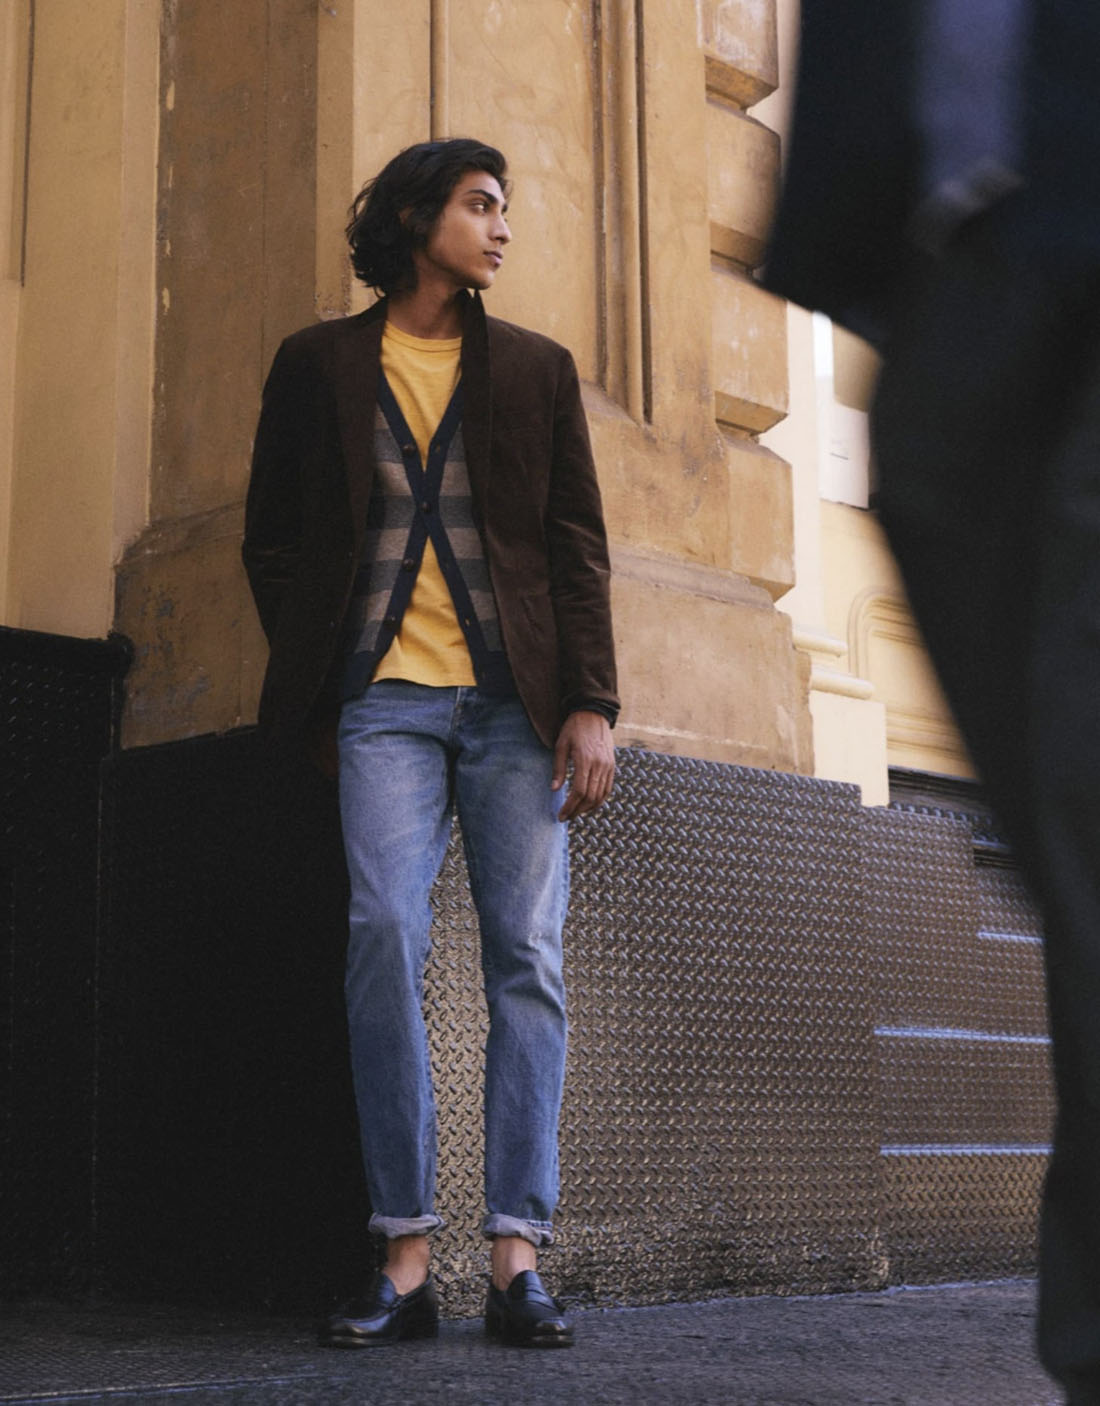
(273, 508)
(580, 572)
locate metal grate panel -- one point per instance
(962, 1091)
(963, 1064)
(968, 1215)
(718, 1129)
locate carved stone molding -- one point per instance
(917, 715)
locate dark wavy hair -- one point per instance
(417, 183)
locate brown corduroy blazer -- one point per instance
(536, 502)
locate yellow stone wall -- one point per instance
(212, 154)
(77, 226)
(14, 65)
(173, 187)
(208, 153)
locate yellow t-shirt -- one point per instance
(430, 647)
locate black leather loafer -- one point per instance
(524, 1314)
(383, 1316)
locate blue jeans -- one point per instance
(410, 756)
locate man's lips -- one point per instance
(496, 257)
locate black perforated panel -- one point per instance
(57, 708)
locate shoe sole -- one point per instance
(354, 1341)
(509, 1338)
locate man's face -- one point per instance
(466, 245)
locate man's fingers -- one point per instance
(584, 741)
(574, 802)
(588, 790)
(561, 763)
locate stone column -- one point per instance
(641, 195)
(235, 273)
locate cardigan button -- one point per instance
(409, 564)
(425, 506)
(391, 620)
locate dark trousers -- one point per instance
(986, 429)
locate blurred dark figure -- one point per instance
(943, 200)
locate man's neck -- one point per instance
(430, 312)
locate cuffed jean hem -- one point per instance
(535, 1232)
(393, 1226)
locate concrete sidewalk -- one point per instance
(934, 1346)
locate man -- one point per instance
(425, 544)
(940, 199)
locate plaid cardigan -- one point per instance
(411, 503)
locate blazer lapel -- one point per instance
(477, 401)
(358, 356)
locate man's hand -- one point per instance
(584, 741)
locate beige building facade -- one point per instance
(807, 1024)
(174, 186)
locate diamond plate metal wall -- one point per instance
(717, 948)
(963, 1058)
(807, 1039)
(719, 1131)
(807, 1051)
